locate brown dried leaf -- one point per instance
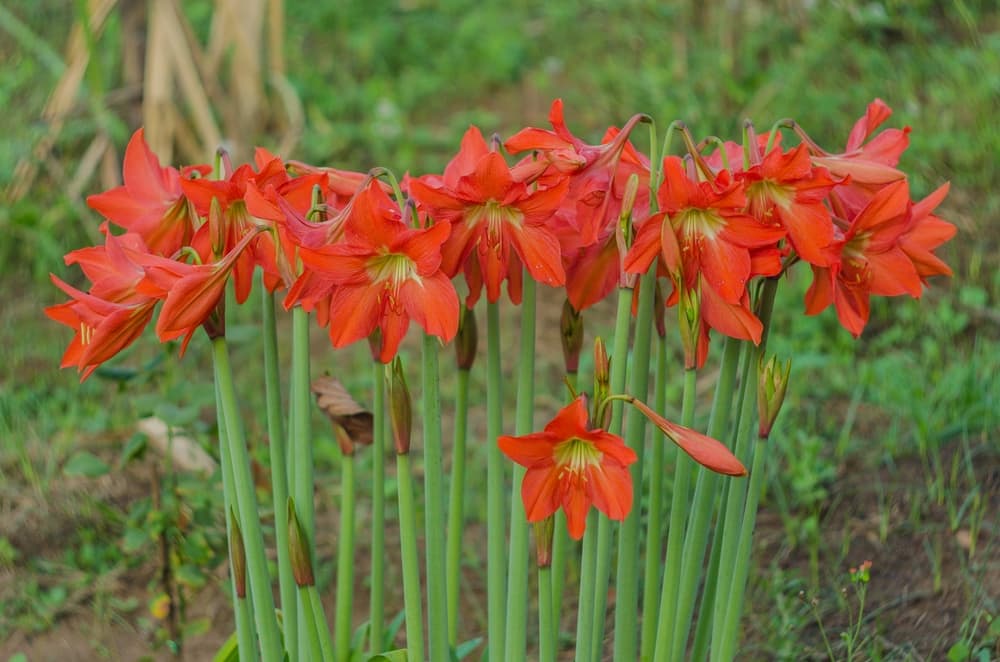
(337, 403)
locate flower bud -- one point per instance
(689, 320)
(467, 339)
(706, 451)
(543, 541)
(400, 408)
(237, 555)
(772, 380)
(660, 311)
(217, 229)
(602, 382)
(571, 334)
(298, 550)
(624, 231)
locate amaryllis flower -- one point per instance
(151, 203)
(384, 274)
(571, 465)
(926, 233)
(498, 223)
(872, 261)
(706, 451)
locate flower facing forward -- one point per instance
(572, 466)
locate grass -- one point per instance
(885, 445)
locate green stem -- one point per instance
(626, 629)
(696, 534)
(495, 528)
(308, 630)
(300, 454)
(246, 499)
(279, 472)
(679, 506)
(734, 605)
(654, 529)
(345, 561)
(377, 599)
(585, 610)
(435, 522)
(456, 503)
(517, 573)
(560, 553)
(319, 622)
(602, 571)
(546, 628)
(410, 560)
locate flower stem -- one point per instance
(602, 571)
(679, 506)
(300, 457)
(308, 627)
(626, 628)
(585, 609)
(547, 636)
(560, 552)
(435, 522)
(322, 631)
(456, 505)
(517, 573)
(345, 560)
(410, 560)
(279, 471)
(246, 499)
(495, 528)
(654, 530)
(377, 597)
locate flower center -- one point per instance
(574, 455)
(392, 270)
(694, 222)
(763, 194)
(495, 215)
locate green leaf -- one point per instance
(134, 449)
(18, 657)
(959, 652)
(398, 655)
(229, 652)
(86, 464)
(464, 649)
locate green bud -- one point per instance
(571, 334)
(298, 549)
(400, 408)
(466, 340)
(772, 381)
(544, 531)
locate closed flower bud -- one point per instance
(237, 555)
(543, 541)
(400, 408)
(571, 334)
(602, 379)
(298, 550)
(772, 381)
(624, 231)
(466, 340)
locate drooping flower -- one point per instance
(706, 451)
(571, 465)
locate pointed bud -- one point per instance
(772, 381)
(400, 408)
(237, 555)
(217, 229)
(571, 334)
(624, 231)
(706, 451)
(375, 344)
(298, 550)
(466, 340)
(602, 381)
(543, 541)
(660, 311)
(689, 320)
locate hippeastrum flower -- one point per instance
(872, 261)
(926, 233)
(385, 274)
(151, 203)
(706, 451)
(498, 223)
(571, 465)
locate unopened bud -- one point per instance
(689, 321)
(466, 340)
(217, 228)
(571, 334)
(298, 550)
(624, 230)
(772, 381)
(400, 408)
(543, 541)
(602, 381)
(237, 555)
(660, 311)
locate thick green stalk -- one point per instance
(496, 565)
(585, 609)
(654, 529)
(679, 506)
(734, 605)
(602, 571)
(322, 631)
(246, 498)
(626, 629)
(410, 560)
(300, 455)
(456, 503)
(246, 636)
(517, 570)
(376, 610)
(279, 470)
(434, 518)
(546, 628)
(345, 561)
(560, 552)
(696, 534)
(309, 632)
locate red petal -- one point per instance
(354, 311)
(433, 304)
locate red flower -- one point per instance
(151, 203)
(710, 453)
(572, 466)
(926, 233)
(385, 274)
(498, 223)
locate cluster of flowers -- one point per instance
(571, 214)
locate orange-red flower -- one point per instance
(926, 233)
(706, 451)
(498, 223)
(571, 465)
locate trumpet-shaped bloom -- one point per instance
(571, 465)
(706, 451)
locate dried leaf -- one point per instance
(337, 403)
